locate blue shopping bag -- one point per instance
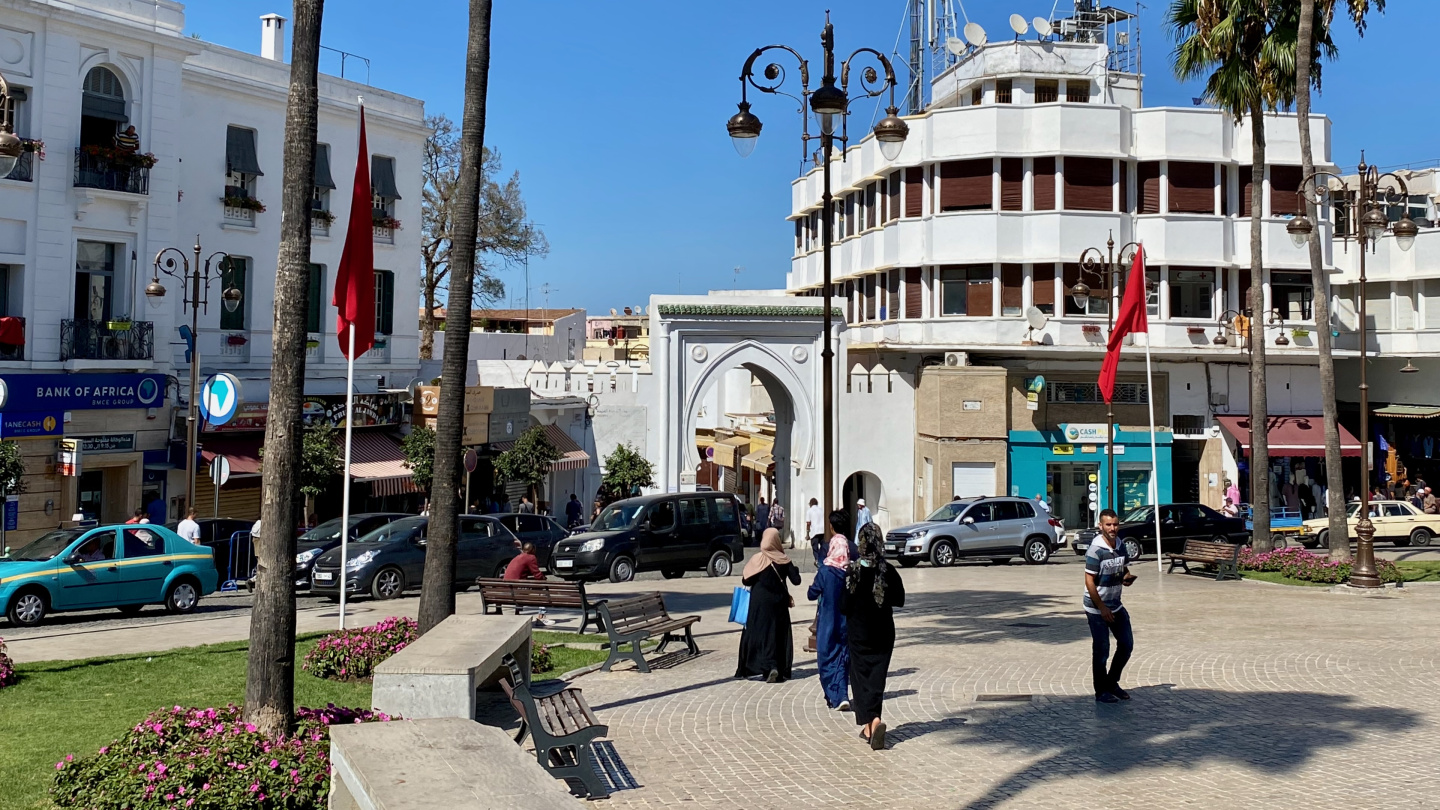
(740, 605)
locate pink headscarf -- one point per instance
(839, 553)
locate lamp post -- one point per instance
(10, 146)
(1106, 269)
(195, 279)
(1366, 225)
(827, 102)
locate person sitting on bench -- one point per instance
(525, 565)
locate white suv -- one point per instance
(997, 528)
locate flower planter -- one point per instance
(118, 326)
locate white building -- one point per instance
(80, 229)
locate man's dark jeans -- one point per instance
(1100, 648)
(819, 548)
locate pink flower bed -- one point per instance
(8, 676)
(1298, 563)
(349, 655)
(207, 759)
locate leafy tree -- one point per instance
(627, 472)
(12, 469)
(321, 461)
(503, 233)
(419, 448)
(529, 460)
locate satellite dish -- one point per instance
(613, 313)
(955, 45)
(975, 35)
(1036, 318)
(1042, 26)
(1017, 24)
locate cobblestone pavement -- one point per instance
(1245, 695)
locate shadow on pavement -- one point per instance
(983, 617)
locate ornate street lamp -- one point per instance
(1106, 268)
(1371, 197)
(195, 279)
(830, 103)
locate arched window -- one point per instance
(102, 108)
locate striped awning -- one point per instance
(728, 452)
(759, 461)
(378, 458)
(572, 456)
(1409, 411)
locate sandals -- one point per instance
(876, 740)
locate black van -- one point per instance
(672, 534)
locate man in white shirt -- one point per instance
(188, 528)
(862, 515)
(815, 529)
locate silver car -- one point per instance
(997, 528)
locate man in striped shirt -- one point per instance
(1107, 572)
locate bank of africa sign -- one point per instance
(57, 392)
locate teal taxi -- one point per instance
(126, 567)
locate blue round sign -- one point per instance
(220, 399)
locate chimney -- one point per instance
(272, 37)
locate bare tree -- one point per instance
(437, 597)
(503, 231)
(270, 678)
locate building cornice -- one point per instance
(745, 311)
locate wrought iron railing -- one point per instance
(107, 340)
(102, 172)
(24, 170)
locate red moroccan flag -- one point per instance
(1131, 319)
(355, 280)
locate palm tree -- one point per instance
(437, 596)
(1312, 36)
(270, 678)
(1244, 50)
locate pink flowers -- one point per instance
(1297, 563)
(8, 675)
(354, 654)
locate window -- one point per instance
(1396, 510)
(324, 184)
(1047, 91)
(235, 272)
(1006, 510)
(1012, 184)
(977, 95)
(966, 291)
(1088, 393)
(102, 108)
(1099, 302)
(1044, 184)
(1089, 184)
(1247, 188)
(1024, 509)
(316, 298)
(383, 190)
(1192, 293)
(1291, 293)
(4, 290)
(1148, 178)
(914, 190)
(1285, 197)
(662, 516)
(1430, 288)
(1377, 306)
(892, 197)
(871, 195)
(242, 164)
(1042, 288)
(142, 543)
(1416, 205)
(1192, 187)
(384, 302)
(1012, 290)
(725, 511)
(97, 547)
(1152, 293)
(965, 185)
(981, 513)
(915, 295)
(1187, 425)
(695, 512)
(94, 280)
(1404, 305)
(1077, 92)
(1002, 91)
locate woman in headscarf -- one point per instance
(872, 588)
(833, 652)
(765, 646)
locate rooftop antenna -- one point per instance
(545, 290)
(917, 69)
(735, 282)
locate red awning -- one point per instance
(572, 456)
(243, 452)
(379, 459)
(1290, 436)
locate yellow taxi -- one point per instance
(1398, 522)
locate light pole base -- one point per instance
(1364, 574)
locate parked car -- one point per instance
(1397, 521)
(998, 528)
(126, 567)
(542, 530)
(1178, 522)
(670, 533)
(326, 536)
(391, 559)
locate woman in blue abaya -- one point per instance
(833, 656)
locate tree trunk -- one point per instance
(270, 677)
(1259, 412)
(427, 317)
(437, 597)
(1339, 534)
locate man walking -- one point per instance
(526, 508)
(862, 516)
(815, 530)
(1107, 572)
(762, 521)
(573, 512)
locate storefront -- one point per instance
(1410, 444)
(1298, 478)
(1069, 467)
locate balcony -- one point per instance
(107, 340)
(24, 170)
(110, 170)
(320, 222)
(379, 353)
(314, 348)
(235, 346)
(383, 235)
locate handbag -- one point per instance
(740, 605)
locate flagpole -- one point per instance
(345, 497)
(1154, 464)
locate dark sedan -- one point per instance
(1178, 522)
(391, 559)
(326, 536)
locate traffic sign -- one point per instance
(471, 460)
(220, 470)
(220, 399)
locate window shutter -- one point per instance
(322, 166)
(892, 296)
(1246, 190)
(1089, 183)
(871, 200)
(892, 197)
(1147, 177)
(384, 301)
(1044, 184)
(1284, 188)
(240, 152)
(1192, 187)
(914, 190)
(1244, 285)
(1042, 291)
(914, 294)
(870, 297)
(1012, 184)
(1125, 187)
(234, 274)
(1069, 276)
(316, 298)
(1012, 295)
(966, 185)
(382, 178)
(1225, 192)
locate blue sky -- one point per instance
(614, 115)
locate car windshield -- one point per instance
(948, 511)
(403, 529)
(1140, 514)
(47, 546)
(617, 516)
(325, 532)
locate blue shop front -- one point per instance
(1069, 468)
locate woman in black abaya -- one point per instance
(872, 588)
(765, 645)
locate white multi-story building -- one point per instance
(80, 229)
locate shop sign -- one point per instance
(68, 460)
(1088, 448)
(107, 443)
(1086, 433)
(249, 416)
(371, 410)
(1063, 449)
(81, 392)
(971, 405)
(16, 425)
(12, 513)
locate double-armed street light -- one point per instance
(828, 103)
(195, 279)
(1371, 193)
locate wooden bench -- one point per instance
(1224, 556)
(537, 594)
(564, 729)
(631, 621)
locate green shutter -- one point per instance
(384, 301)
(234, 275)
(316, 297)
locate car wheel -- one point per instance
(1037, 551)
(942, 554)
(1420, 537)
(130, 610)
(28, 608)
(1220, 538)
(1401, 542)
(388, 583)
(182, 597)
(1310, 543)
(1322, 540)
(719, 565)
(908, 562)
(622, 569)
(1279, 541)
(1133, 549)
(499, 572)
(673, 573)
